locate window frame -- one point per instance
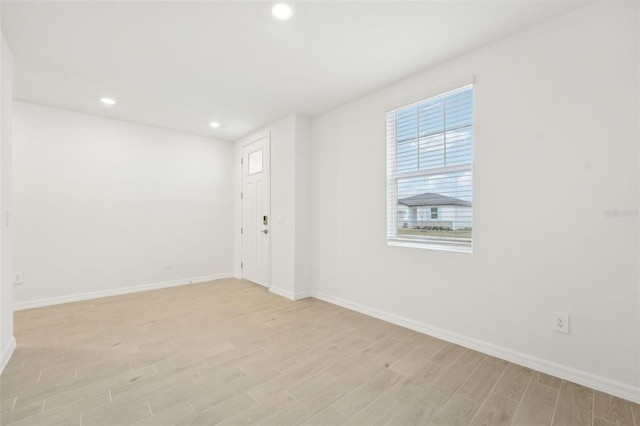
(393, 239)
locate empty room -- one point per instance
(320, 212)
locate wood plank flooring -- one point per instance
(231, 353)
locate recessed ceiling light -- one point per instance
(107, 101)
(214, 124)
(282, 11)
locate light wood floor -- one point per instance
(231, 353)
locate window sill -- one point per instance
(461, 248)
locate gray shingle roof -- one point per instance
(432, 199)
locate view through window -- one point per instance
(429, 164)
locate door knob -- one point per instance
(265, 231)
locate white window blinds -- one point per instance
(429, 172)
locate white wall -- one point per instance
(303, 196)
(7, 341)
(100, 204)
(556, 127)
(290, 200)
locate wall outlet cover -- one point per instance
(560, 322)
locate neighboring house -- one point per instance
(431, 209)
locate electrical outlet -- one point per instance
(17, 278)
(168, 263)
(560, 322)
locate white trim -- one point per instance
(19, 306)
(6, 354)
(434, 171)
(565, 372)
(280, 292)
(289, 294)
(421, 244)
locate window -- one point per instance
(429, 172)
(255, 162)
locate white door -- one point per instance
(256, 219)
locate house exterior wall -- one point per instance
(454, 217)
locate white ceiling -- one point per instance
(180, 65)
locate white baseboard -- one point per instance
(290, 295)
(584, 378)
(280, 292)
(18, 306)
(6, 353)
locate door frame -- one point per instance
(254, 139)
